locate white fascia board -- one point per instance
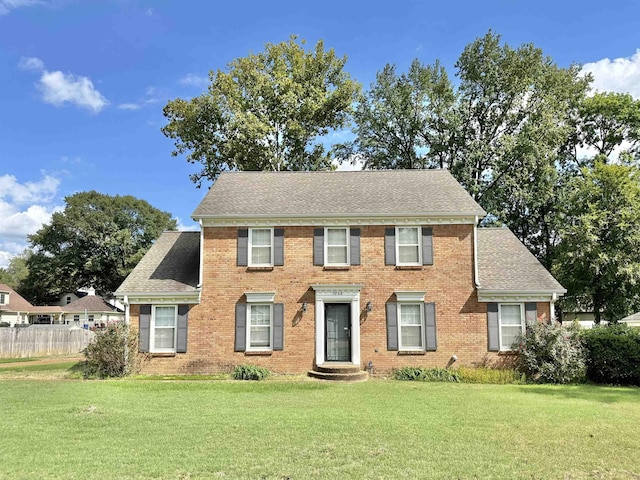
(518, 295)
(163, 297)
(434, 218)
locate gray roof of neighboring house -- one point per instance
(504, 263)
(369, 192)
(170, 266)
(635, 318)
(90, 303)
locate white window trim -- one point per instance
(408, 264)
(249, 348)
(4, 298)
(422, 326)
(522, 323)
(326, 246)
(152, 347)
(250, 248)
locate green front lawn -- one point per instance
(307, 429)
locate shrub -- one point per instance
(250, 372)
(4, 324)
(113, 352)
(490, 375)
(427, 374)
(552, 354)
(613, 354)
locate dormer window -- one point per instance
(4, 298)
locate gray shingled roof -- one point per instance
(170, 266)
(635, 318)
(387, 192)
(504, 263)
(17, 303)
(90, 303)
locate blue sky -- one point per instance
(84, 82)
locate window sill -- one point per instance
(163, 354)
(337, 267)
(259, 269)
(411, 352)
(258, 353)
(409, 267)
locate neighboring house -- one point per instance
(14, 309)
(92, 310)
(67, 298)
(632, 320)
(299, 270)
(584, 319)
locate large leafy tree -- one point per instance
(599, 250)
(95, 241)
(16, 271)
(267, 112)
(401, 118)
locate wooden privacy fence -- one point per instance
(42, 340)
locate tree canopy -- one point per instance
(94, 242)
(266, 112)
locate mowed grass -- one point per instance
(306, 429)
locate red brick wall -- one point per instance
(461, 319)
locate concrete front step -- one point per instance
(340, 373)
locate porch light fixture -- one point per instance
(369, 306)
(304, 307)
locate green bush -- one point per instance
(552, 354)
(486, 375)
(613, 354)
(5, 324)
(427, 374)
(113, 352)
(250, 372)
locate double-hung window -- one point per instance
(3, 299)
(163, 328)
(408, 246)
(511, 323)
(261, 247)
(411, 326)
(336, 246)
(260, 331)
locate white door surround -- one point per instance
(337, 294)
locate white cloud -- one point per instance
(31, 63)
(129, 106)
(24, 208)
(618, 75)
(151, 95)
(193, 80)
(7, 5)
(192, 227)
(60, 88)
(353, 165)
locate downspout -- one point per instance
(552, 308)
(127, 318)
(200, 273)
(476, 279)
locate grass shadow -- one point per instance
(592, 393)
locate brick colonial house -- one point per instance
(297, 270)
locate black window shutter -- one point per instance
(354, 246)
(392, 326)
(183, 317)
(278, 246)
(241, 328)
(427, 246)
(390, 246)
(431, 343)
(318, 246)
(530, 313)
(145, 328)
(278, 326)
(492, 327)
(243, 247)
